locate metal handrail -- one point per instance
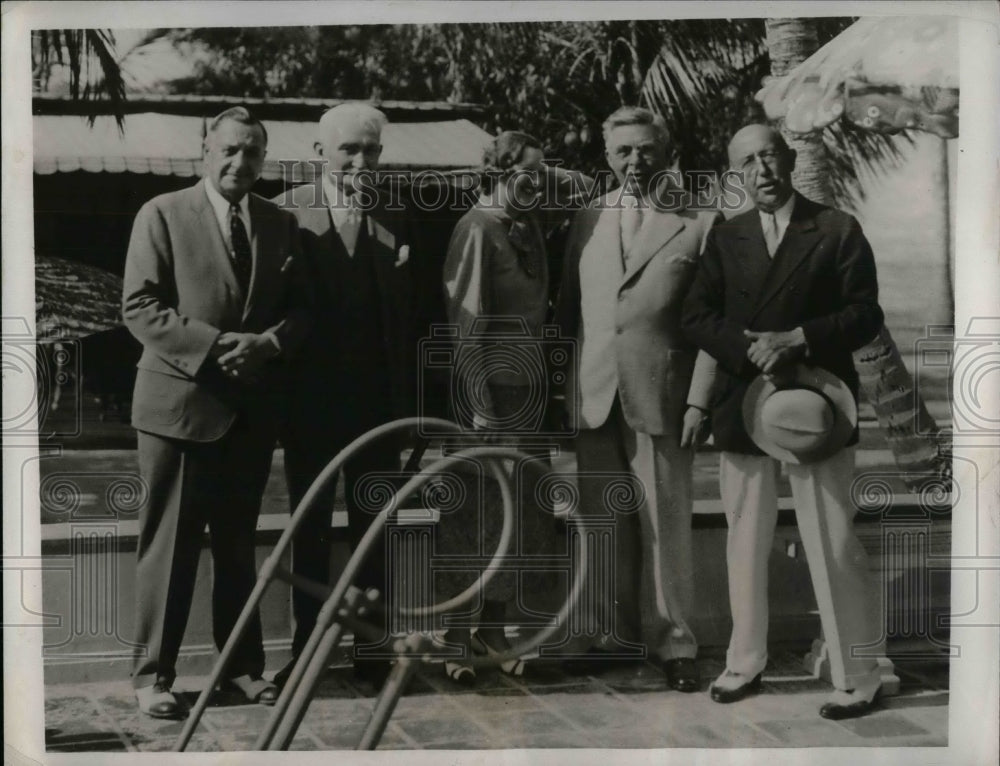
(346, 603)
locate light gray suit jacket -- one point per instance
(625, 315)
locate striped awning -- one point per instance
(169, 144)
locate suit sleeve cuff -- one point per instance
(800, 335)
(269, 334)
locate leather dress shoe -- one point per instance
(254, 688)
(157, 701)
(282, 676)
(850, 704)
(682, 674)
(725, 693)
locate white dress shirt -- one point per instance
(221, 207)
(781, 218)
(341, 212)
(631, 221)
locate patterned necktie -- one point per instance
(631, 223)
(242, 257)
(771, 238)
(351, 227)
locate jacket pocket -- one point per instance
(158, 399)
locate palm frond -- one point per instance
(100, 44)
(90, 57)
(853, 151)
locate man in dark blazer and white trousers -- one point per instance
(790, 281)
(211, 292)
(359, 362)
(630, 259)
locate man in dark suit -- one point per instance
(790, 281)
(359, 362)
(210, 291)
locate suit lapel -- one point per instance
(658, 228)
(219, 251)
(259, 243)
(800, 238)
(754, 260)
(315, 217)
(606, 242)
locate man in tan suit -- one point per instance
(212, 293)
(629, 262)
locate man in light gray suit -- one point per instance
(629, 262)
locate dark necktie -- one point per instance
(242, 258)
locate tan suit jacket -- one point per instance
(624, 311)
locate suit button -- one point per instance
(618, 331)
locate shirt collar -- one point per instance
(783, 214)
(338, 210)
(221, 206)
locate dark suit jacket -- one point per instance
(180, 292)
(822, 278)
(392, 246)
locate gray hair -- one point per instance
(637, 115)
(238, 114)
(371, 118)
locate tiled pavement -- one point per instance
(624, 707)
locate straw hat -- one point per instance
(802, 416)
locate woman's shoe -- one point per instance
(514, 667)
(460, 673)
(459, 670)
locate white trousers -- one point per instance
(838, 564)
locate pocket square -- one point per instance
(402, 256)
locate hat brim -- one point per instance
(845, 412)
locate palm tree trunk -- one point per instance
(789, 43)
(910, 431)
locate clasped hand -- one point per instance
(772, 350)
(241, 354)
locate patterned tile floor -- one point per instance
(624, 707)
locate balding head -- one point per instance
(762, 155)
(349, 138)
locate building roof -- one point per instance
(170, 144)
(288, 109)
